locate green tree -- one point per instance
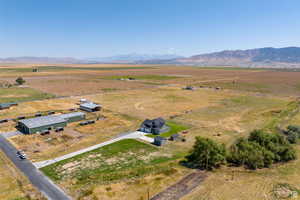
(20, 81)
(206, 154)
(260, 150)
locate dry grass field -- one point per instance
(98, 78)
(248, 99)
(14, 185)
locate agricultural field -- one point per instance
(14, 185)
(18, 94)
(227, 103)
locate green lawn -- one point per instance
(121, 160)
(174, 128)
(16, 94)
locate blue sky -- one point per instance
(88, 28)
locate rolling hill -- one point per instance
(262, 57)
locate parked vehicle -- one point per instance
(3, 121)
(83, 123)
(59, 129)
(90, 122)
(21, 155)
(45, 132)
(38, 115)
(51, 113)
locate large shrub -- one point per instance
(206, 154)
(20, 81)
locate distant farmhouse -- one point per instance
(39, 124)
(90, 107)
(155, 126)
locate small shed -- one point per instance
(90, 107)
(175, 137)
(7, 105)
(159, 141)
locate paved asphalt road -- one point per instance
(11, 134)
(130, 135)
(44, 185)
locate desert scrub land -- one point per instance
(121, 161)
(13, 184)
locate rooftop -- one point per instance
(42, 121)
(73, 114)
(48, 120)
(90, 105)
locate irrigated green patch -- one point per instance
(233, 68)
(64, 68)
(109, 89)
(243, 86)
(174, 128)
(143, 77)
(121, 160)
(15, 94)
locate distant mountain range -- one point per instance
(263, 57)
(32, 59)
(128, 58)
(132, 58)
(288, 57)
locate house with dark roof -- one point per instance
(154, 126)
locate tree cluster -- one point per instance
(259, 150)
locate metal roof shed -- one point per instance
(90, 107)
(38, 124)
(73, 117)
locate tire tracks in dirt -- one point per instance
(182, 187)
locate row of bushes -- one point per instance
(259, 150)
